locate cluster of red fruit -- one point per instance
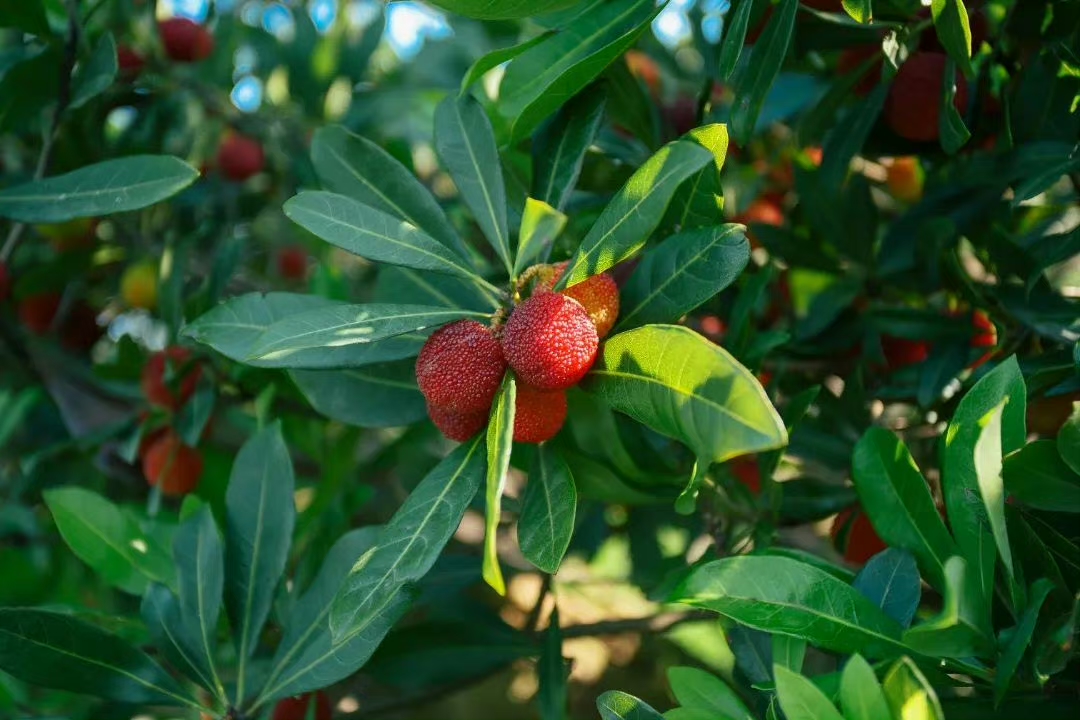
(901, 352)
(168, 382)
(550, 341)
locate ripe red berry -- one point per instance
(985, 330)
(179, 387)
(460, 368)
(852, 59)
(863, 542)
(292, 262)
(538, 414)
(130, 62)
(185, 40)
(746, 471)
(457, 426)
(171, 464)
(900, 352)
(240, 158)
(297, 708)
(599, 295)
(550, 341)
(36, 312)
(913, 108)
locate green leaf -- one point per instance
(755, 80)
(954, 32)
(405, 286)
(28, 88)
(891, 580)
(1020, 639)
(108, 540)
(95, 75)
(800, 698)
(820, 118)
(782, 595)
(682, 273)
(698, 690)
(411, 542)
(1037, 476)
(193, 417)
(988, 468)
(351, 165)
(909, 693)
(788, 652)
(380, 395)
(682, 386)
(552, 671)
(260, 514)
(847, 138)
(596, 481)
(616, 705)
(200, 569)
(734, 39)
(861, 696)
(547, 511)
(342, 326)
(699, 202)
(113, 186)
(960, 484)
(466, 144)
(954, 134)
(177, 640)
(540, 225)
(537, 81)
(860, 11)
(503, 9)
(897, 500)
(1068, 439)
(493, 59)
(560, 144)
(373, 234)
(26, 15)
(958, 630)
(500, 441)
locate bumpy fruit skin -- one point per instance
(170, 395)
(460, 368)
(599, 295)
(900, 352)
(904, 177)
(863, 542)
(550, 341)
(171, 464)
(185, 40)
(292, 262)
(130, 62)
(36, 312)
(538, 414)
(457, 426)
(71, 235)
(139, 286)
(913, 108)
(852, 59)
(297, 708)
(240, 158)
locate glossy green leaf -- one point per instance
(753, 83)
(847, 138)
(500, 442)
(538, 81)
(352, 165)
(859, 10)
(819, 119)
(260, 514)
(108, 540)
(782, 595)
(411, 542)
(547, 511)
(59, 651)
(891, 580)
(626, 223)
(953, 30)
(1020, 639)
(193, 417)
(789, 652)
(1068, 439)
(105, 188)
(503, 9)
(699, 202)
(177, 641)
(560, 144)
(734, 38)
(406, 286)
(682, 273)
(959, 630)
(909, 693)
(540, 225)
(596, 481)
(988, 468)
(1037, 476)
(373, 234)
(493, 59)
(552, 671)
(96, 74)
(951, 127)
(898, 502)
(861, 695)
(616, 705)
(380, 395)
(200, 569)
(465, 142)
(800, 698)
(698, 690)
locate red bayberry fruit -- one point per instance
(179, 387)
(746, 471)
(460, 368)
(457, 426)
(172, 465)
(863, 542)
(900, 352)
(185, 40)
(985, 336)
(239, 157)
(298, 708)
(550, 341)
(913, 108)
(292, 262)
(36, 312)
(852, 59)
(130, 62)
(538, 414)
(599, 295)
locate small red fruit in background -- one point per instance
(77, 234)
(985, 336)
(904, 176)
(900, 352)
(644, 67)
(298, 708)
(172, 465)
(852, 59)
(863, 542)
(240, 157)
(765, 210)
(292, 262)
(550, 341)
(185, 40)
(599, 295)
(179, 388)
(460, 368)
(36, 312)
(913, 108)
(746, 471)
(538, 414)
(458, 427)
(130, 62)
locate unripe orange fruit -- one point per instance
(71, 235)
(913, 108)
(172, 465)
(185, 40)
(644, 67)
(139, 286)
(904, 177)
(863, 541)
(599, 295)
(298, 708)
(240, 157)
(538, 414)
(177, 389)
(550, 341)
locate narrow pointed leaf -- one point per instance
(860, 11)
(1068, 439)
(800, 698)
(500, 441)
(954, 31)
(200, 568)
(959, 630)
(1020, 639)
(560, 145)
(493, 59)
(616, 705)
(909, 694)
(861, 695)
(1037, 476)
(96, 74)
(702, 691)
(847, 138)
(379, 395)
(734, 38)
(699, 202)
(540, 225)
(547, 511)
(502, 10)
(988, 472)
(552, 671)
(176, 640)
(754, 82)
(954, 133)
